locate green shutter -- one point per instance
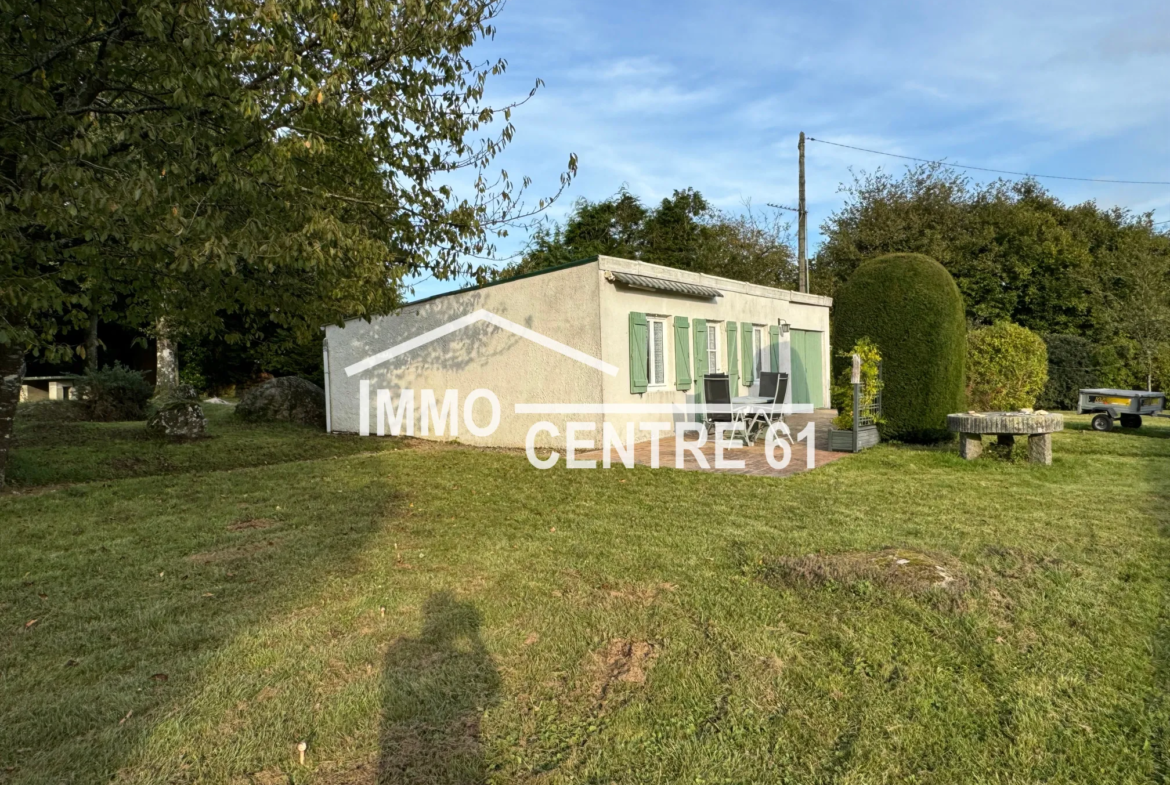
(639, 355)
(732, 358)
(701, 368)
(774, 346)
(682, 353)
(749, 363)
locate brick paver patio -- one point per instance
(754, 459)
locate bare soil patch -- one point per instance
(895, 568)
(622, 661)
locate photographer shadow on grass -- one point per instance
(436, 688)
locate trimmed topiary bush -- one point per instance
(1007, 368)
(1072, 366)
(909, 306)
(113, 393)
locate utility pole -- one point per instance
(802, 224)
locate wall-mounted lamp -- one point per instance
(783, 326)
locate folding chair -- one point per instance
(717, 395)
(773, 385)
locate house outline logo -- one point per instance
(480, 315)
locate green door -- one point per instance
(806, 367)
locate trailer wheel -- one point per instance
(1131, 421)
(1102, 422)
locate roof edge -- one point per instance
(477, 287)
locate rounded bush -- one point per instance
(909, 305)
(1007, 367)
(113, 393)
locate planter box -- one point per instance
(842, 441)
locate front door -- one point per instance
(807, 368)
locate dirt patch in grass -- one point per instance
(622, 661)
(220, 555)
(251, 523)
(894, 568)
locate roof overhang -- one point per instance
(652, 284)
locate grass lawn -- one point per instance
(189, 613)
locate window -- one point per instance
(656, 356)
(758, 347)
(712, 347)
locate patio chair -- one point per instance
(768, 384)
(774, 386)
(717, 393)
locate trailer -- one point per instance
(1125, 406)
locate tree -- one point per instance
(1006, 244)
(282, 159)
(1016, 253)
(1136, 300)
(683, 231)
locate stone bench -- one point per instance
(1006, 426)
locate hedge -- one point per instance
(1007, 367)
(1073, 364)
(909, 305)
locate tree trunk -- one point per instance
(11, 376)
(91, 344)
(166, 375)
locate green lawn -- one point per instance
(454, 615)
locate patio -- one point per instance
(754, 458)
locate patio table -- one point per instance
(745, 405)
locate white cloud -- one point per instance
(713, 95)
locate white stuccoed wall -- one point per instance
(560, 304)
(576, 306)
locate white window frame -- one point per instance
(651, 355)
(758, 347)
(713, 347)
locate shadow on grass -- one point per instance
(435, 689)
(1146, 430)
(140, 589)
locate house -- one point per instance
(602, 340)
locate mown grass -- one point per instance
(454, 615)
(48, 451)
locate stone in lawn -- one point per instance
(288, 398)
(178, 419)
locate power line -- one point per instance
(995, 171)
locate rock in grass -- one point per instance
(287, 399)
(178, 418)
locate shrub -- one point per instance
(1007, 367)
(871, 383)
(113, 393)
(1073, 364)
(909, 306)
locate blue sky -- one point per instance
(658, 96)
